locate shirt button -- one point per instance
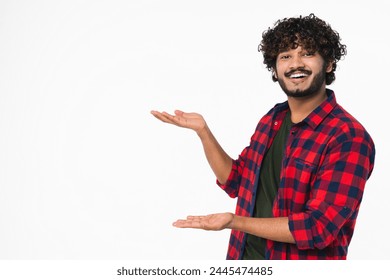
(275, 123)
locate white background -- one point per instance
(86, 172)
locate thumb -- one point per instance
(179, 113)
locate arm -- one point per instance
(323, 215)
(219, 161)
(333, 206)
(275, 229)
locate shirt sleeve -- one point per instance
(232, 184)
(244, 167)
(336, 194)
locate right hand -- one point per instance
(210, 222)
(192, 121)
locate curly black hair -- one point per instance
(311, 33)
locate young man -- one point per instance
(300, 182)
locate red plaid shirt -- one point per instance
(328, 158)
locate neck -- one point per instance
(301, 107)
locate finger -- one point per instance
(186, 115)
(186, 224)
(156, 114)
(178, 112)
(179, 120)
(168, 116)
(179, 222)
(191, 217)
(164, 117)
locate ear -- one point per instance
(329, 68)
(274, 75)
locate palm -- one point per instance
(192, 121)
(210, 222)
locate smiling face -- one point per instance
(301, 73)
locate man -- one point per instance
(300, 182)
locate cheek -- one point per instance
(277, 71)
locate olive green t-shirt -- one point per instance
(267, 188)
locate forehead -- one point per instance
(298, 41)
(298, 49)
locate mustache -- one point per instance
(299, 69)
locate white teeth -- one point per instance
(298, 75)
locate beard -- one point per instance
(313, 88)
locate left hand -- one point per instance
(210, 222)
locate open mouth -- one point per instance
(298, 75)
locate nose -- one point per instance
(296, 62)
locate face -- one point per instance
(301, 73)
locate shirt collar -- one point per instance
(319, 113)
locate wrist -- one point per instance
(203, 132)
(233, 222)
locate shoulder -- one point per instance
(348, 123)
(346, 128)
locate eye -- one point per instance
(284, 56)
(308, 54)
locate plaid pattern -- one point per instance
(328, 158)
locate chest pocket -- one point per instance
(299, 180)
(304, 170)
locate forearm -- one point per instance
(275, 229)
(219, 161)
